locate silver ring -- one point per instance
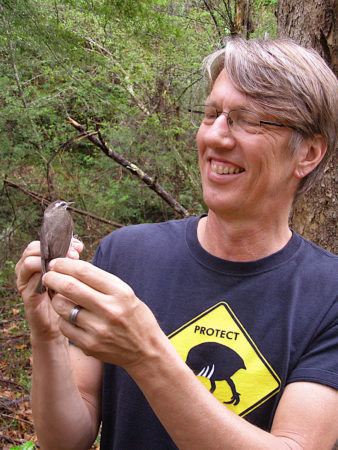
(73, 314)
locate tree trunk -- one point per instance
(313, 24)
(242, 18)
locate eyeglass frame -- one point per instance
(219, 113)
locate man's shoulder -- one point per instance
(316, 267)
(142, 244)
(316, 255)
(146, 233)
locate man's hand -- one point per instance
(39, 313)
(113, 324)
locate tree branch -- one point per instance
(41, 199)
(206, 4)
(132, 168)
(126, 80)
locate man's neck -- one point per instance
(242, 242)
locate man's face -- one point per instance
(243, 173)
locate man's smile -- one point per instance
(223, 168)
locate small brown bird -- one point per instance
(55, 236)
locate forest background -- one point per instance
(94, 99)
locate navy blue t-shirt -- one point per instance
(246, 329)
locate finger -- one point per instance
(75, 334)
(32, 249)
(77, 244)
(89, 274)
(75, 248)
(72, 253)
(73, 289)
(64, 307)
(27, 268)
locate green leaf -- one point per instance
(25, 446)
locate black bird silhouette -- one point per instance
(216, 362)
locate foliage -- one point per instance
(26, 446)
(130, 67)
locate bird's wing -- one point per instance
(44, 249)
(59, 241)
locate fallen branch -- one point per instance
(13, 383)
(9, 404)
(8, 338)
(11, 440)
(41, 199)
(132, 168)
(8, 416)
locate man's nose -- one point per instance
(219, 131)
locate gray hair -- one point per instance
(293, 84)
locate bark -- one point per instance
(313, 24)
(242, 14)
(315, 215)
(235, 15)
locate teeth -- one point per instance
(225, 170)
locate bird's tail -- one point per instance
(40, 288)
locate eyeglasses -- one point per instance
(239, 120)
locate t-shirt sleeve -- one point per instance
(104, 254)
(319, 363)
(97, 260)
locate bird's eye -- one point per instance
(60, 204)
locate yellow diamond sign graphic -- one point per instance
(216, 346)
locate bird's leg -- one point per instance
(213, 386)
(235, 395)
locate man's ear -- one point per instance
(310, 154)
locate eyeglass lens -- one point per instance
(238, 120)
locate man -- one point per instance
(218, 331)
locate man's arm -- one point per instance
(306, 417)
(66, 385)
(66, 393)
